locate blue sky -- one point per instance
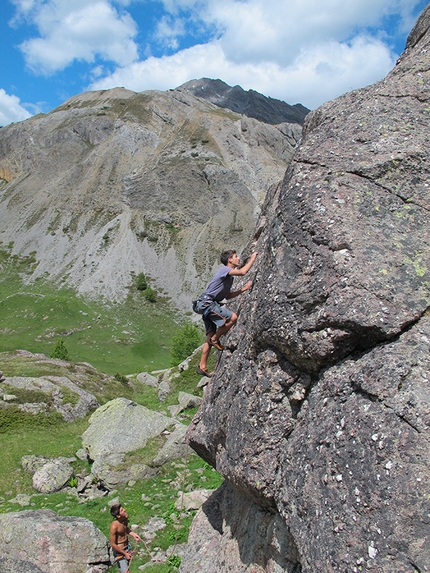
(300, 51)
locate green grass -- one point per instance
(127, 337)
(147, 498)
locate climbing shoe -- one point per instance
(216, 344)
(203, 372)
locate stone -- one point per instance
(118, 427)
(52, 476)
(175, 447)
(192, 500)
(319, 410)
(147, 379)
(188, 400)
(231, 533)
(43, 542)
(121, 426)
(163, 390)
(57, 389)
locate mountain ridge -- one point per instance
(115, 182)
(250, 103)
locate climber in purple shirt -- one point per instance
(219, 319)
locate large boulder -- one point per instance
(53, 476)
(319, 409)
(122, 426)
(43, 542)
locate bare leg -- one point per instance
(224, 329)
(206, 351)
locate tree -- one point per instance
(141, 282)
(60, 351)
(184, 342)
(150, 294)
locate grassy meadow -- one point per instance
(128, 337)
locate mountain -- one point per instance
(249, 103)
(318, 414)
(116, 182)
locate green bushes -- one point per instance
(142, 285)
(141, 282)
(60, 351)
(150, 295)
(184, 342)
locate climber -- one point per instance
(119, 532)
(217, 318)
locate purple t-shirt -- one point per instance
(220, 285)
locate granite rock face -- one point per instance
(43, 542)
(319, 409)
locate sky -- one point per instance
(299, 51)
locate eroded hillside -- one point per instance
(116, 182)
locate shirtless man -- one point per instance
(119, 532)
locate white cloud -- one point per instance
(77, 30)
(319, 73)
(305, 51)
(11, 109)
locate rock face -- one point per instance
(116, 182)
(231, 533)
(249, 103)
(320, 408)
(43, 542)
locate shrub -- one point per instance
(121, 378)
(150, 295)
(60, 351)
(184, 342)
(141, 282)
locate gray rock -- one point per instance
(230, 533)
(42, 541)
(82, 454)
(121, 426)
(188, 400)
(319, 410)
(22, 499)
(147, 379)
(163, 390)
(53, 476)
(57, 388)
(175, 447)
(192, 500)
(118, 427)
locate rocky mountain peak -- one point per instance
(114, 182)
(250, 103)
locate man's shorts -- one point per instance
(216, 317)
(123, 565)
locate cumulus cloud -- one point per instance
(77, 30)
(300, 51)
(11, 109)
(319, 73)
